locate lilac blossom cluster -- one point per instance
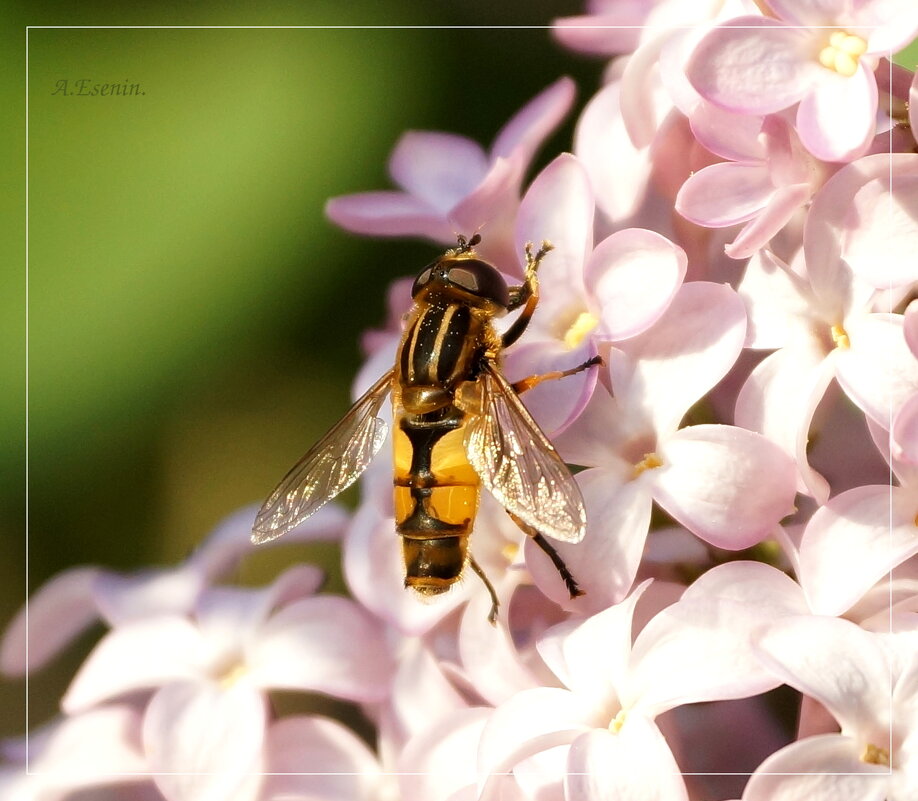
(735, 232)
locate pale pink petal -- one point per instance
(230, 617)
(852, 542)
(731, 136)
(822, 768)
(882, 235)
(829, 224)
(51, 619)
(204, 742)
(618, 171)
(554, 404)
(707, 634)
(779, 399)
(221, 552)
(836, 662)
(764, 589)
(125, 598)
(878, 371)
(420, 692)
(905, 431)
(809, 12)
(326, 644)
(725, 194)
(686, 352)
(491, 659)
(633, 276)
(605, 563)
(541, 776)
(635, 762)
(136, 656)
(522, 136)
(913, 106)
(781, 208)
(595, 438)
(389, 214)
(776, 307)
(754, 65)
(602, 35)
(910, 327)
(100, 746)
(591, 656)
(530, 722)
(643, 102)
(436, 167)
(440, 760)
(888, 26)
(316, 757)
(558, 207)
(836, 121)
(728, 485)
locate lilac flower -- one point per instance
(449, 184)
(820, 54)
(318, 759)
(204, 724)
(904, 432)
(763, 186)
(858, 537)
(868, 682)
(613, 690)
(588, 295)
(725, 484)
(99, 748)
(74, 599)
(821, 320)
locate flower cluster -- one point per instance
(734, 234)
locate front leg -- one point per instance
(526, 295)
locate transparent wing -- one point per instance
(519, 466)
(331, 466)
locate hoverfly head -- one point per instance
(460, 275)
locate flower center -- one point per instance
(228, 677)
(582, 325)
(842, 53)
(650, 462)
(617, 722)
(874, 755)
(840, 337)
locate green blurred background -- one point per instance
(193, 318)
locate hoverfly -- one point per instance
(458, 424)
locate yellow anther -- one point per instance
(842, 53)
(853, 45)
(844, 64)
(582, 326)
(510, 551)
(229, 677)
(874, 755)
(840, 337)
(617, 722)
(649, 462)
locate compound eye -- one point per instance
(467, 279)
(421, 281)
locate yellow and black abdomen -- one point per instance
(436, 497)
(436, 489)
